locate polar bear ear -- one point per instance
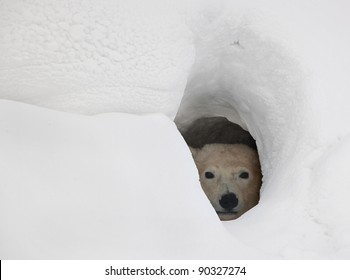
(194, 151)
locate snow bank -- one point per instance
(278, 68)
(80, 56)
(112, 186)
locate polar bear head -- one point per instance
(230, 176)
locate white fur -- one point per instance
(227, 162)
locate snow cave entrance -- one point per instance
(200, 130)
(252, 82)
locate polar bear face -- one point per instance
(230, 176)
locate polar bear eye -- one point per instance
(209, 175)
(244, 175)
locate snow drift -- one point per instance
(69, 187)
(89, 58)
(100, 187)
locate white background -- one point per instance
(96, 269)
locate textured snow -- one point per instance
(124, 186)
(79, 56)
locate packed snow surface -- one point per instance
(103, 172)
(88, 57)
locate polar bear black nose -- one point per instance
(228, 201)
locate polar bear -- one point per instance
(227, 160)
(230, 176)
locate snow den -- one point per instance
(97, 168)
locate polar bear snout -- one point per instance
(228, 201)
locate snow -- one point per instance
(122, 183)
(83, 57)
(84, 187)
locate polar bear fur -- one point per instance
(230, 176)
